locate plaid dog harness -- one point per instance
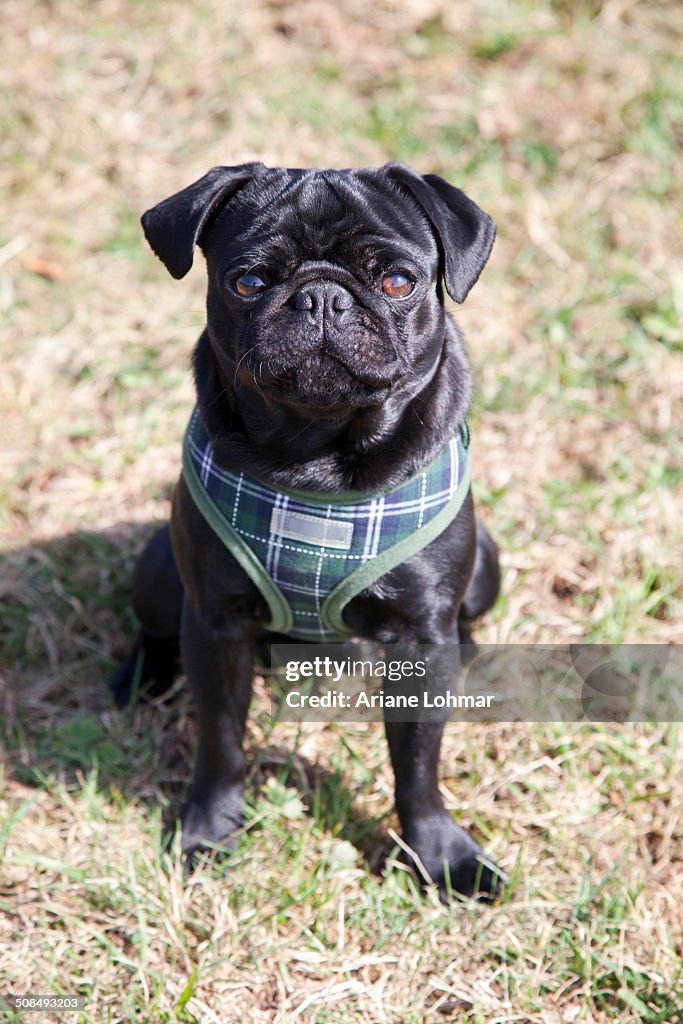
(310, 553)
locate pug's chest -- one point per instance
(312, 556)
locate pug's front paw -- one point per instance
(445, 854)
(211, 821)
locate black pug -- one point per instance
(329, 378)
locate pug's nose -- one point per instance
(322, 299)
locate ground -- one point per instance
(565, 122)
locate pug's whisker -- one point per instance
(223, 393)
(272, 372)
(256, 377)
(300, 432)
(241, 360)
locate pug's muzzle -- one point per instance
(318, 341)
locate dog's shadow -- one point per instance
(66, 623)
(326, 798)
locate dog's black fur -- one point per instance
(320, 381)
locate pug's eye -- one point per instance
(397, 286)
(248, 285)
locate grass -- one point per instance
(565, 122)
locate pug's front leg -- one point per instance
(219, 668)
(441, 850)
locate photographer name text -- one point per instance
(359, 701)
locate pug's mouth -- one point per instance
(323, 381)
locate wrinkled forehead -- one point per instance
(339, 216)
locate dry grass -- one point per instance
(565, 122)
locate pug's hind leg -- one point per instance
(482, 591)
(154, 662)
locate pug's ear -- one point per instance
(174, 226)
(464, 232)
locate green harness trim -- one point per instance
(362, 577)
(281, 613)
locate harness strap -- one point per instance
(281, 614)
(338, 598)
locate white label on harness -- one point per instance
(324, 533)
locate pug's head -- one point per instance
(325, 287)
